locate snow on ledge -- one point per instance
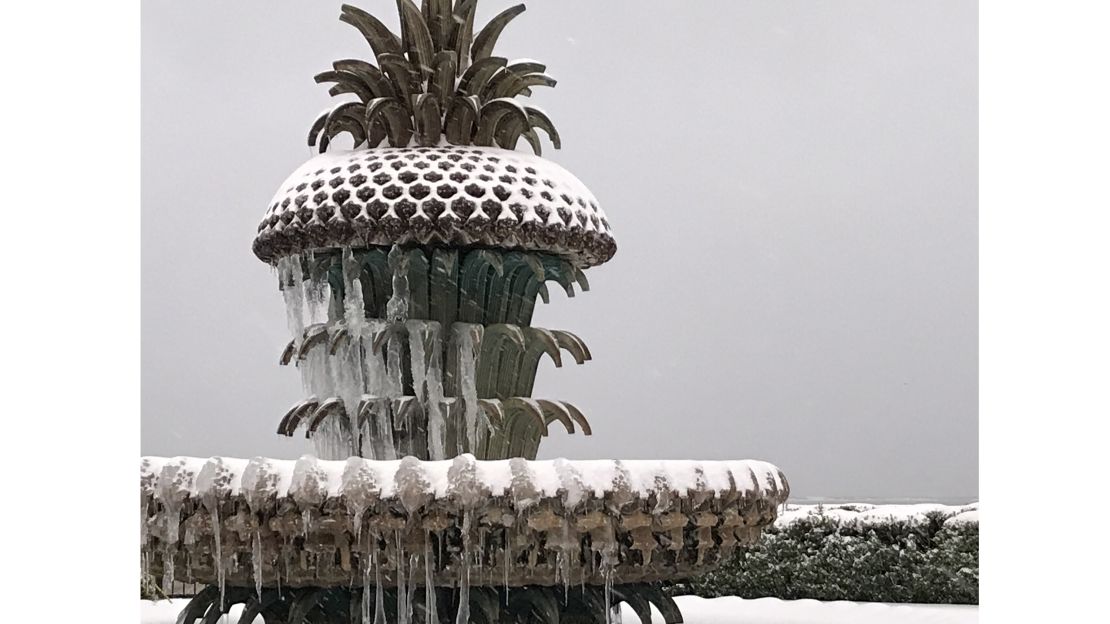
(309, 480)
(870, 514)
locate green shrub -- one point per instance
(823, 558)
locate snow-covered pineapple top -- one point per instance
(435, 123)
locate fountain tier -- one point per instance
(502, 523)
(443, 195)
(410, 269)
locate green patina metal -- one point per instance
(435, 81)
(448, 285)
(489, 292)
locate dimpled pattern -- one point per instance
(448, 195)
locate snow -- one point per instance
(728, 610)
(966, 517)
(311, 480)
(869, 514)
(562, 181)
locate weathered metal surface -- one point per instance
(436, 82)
(456, 304)
(436, 197)
(508, 523)
(486, 605)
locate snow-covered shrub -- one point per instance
(856, 554)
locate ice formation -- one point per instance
(455, 379)
(513, 522)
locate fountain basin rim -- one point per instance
(312, 480)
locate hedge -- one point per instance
(822, 556)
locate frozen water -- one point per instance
(437, 426)
(397, 308)
(464, 335)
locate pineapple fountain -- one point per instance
(410, 268)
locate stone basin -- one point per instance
(503, 523)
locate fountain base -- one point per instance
(485, 605)
(462, 524)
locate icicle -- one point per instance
(320, 378)
(410, 601)
(144, 533)
(402, 590)
(394, 389)
(221, 573)
(419, 364)
(481, 552)
(566, 550)
(508, 563)
(256, 562)
(317, 294)
(379, 593)
(366, 567)
(463, 614)
(366, 615)
(167, 569)
(397, 308)
(607, 565)
(380, 430)
(468, 389)
(419, 359)
(437, 429)
(144, 509)
(346, 371)
(292, 291)
(354, 308)
(431, 614)
(172, 512)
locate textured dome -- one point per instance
(456, 196)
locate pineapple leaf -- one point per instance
(475, 77)
(462, 116)
(428, 126)
(443, 80)
(463, 36)
(534, 141)
(370, 75)
(538, 80)
(500, 84)
(380, 37)
(437, 13)
(317, 127)
(345, 83)
(527, 66)
(396, 117)
(492, 114)
(509, 131)
(508, 83)
(487, 38)
(400, 74)
(539, 119)
(435, 80)
(417, 37)
(345, 122)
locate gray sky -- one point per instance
(792, 185)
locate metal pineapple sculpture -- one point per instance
(410, 268)
(434, 82)
(411, 265)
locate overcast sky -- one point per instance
(792, 185)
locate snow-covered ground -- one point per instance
(729, 611)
